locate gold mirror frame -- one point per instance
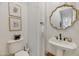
(60, 7)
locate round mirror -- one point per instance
(63, 17)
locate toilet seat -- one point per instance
(22, 53)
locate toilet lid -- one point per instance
(22, 53)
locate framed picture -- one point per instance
(14, 9)
(15, 24)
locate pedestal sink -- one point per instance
(62, 45)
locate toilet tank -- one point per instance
(15, 46)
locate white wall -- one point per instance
(35, 40)
(33, 18)
(72, 32)
(5, 34)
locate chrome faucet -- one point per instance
(60, 36)
(63, 38)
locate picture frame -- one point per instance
(15, 24)
(14, 9)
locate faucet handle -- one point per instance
(70, 40)
(56, 37)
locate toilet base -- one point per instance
(22, 53)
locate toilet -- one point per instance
(22, 53)
(16, 48)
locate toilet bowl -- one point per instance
(22, 53)
(16, 48)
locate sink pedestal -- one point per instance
(61, 46)
(59, 52)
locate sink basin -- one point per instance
(62, 45)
